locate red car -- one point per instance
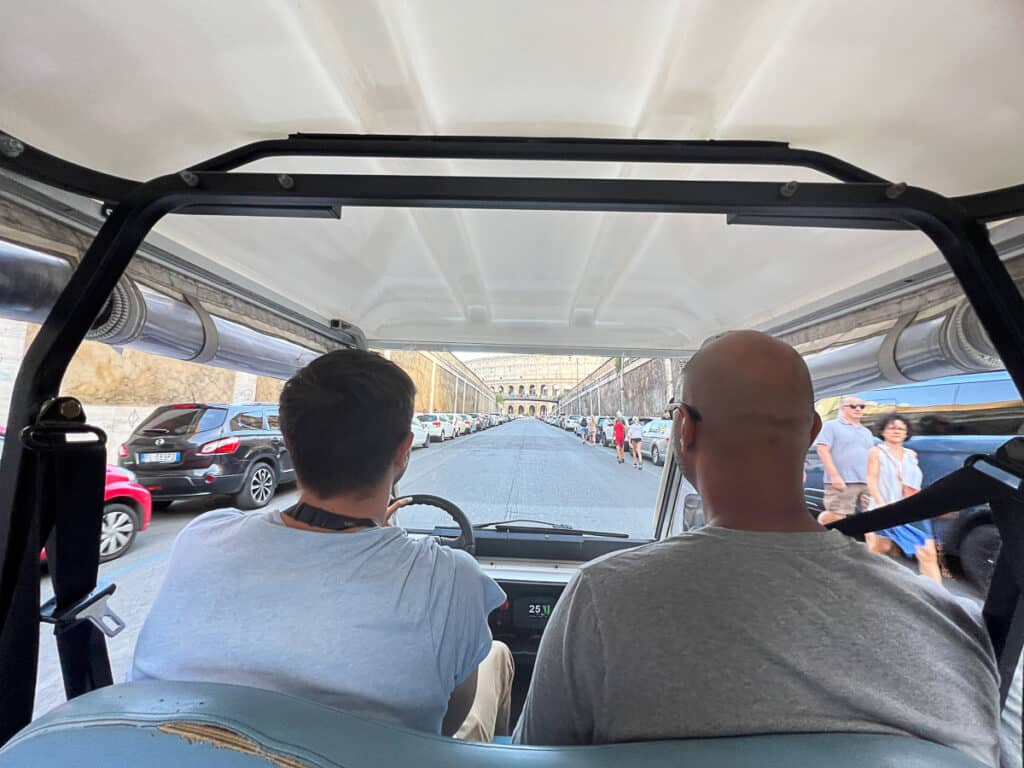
(127, 508)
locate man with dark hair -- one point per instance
(325, 600)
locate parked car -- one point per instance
(440, 428)
(951, 419)
(420, 435)
(188, 450)
(127, 509)
(452, 422)
(656, 436)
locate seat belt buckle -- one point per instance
(93, 607)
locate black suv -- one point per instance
(209, 449)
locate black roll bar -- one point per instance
(860, 200)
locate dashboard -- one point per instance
(520, 621)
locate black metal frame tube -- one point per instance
(961, 238)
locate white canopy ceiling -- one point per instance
(930, 92)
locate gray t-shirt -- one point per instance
(849, 444)
(373, 622)
(721, 632)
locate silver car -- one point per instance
(656, 435)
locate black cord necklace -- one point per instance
(321, 518)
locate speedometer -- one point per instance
(532, 611)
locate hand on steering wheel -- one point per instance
(466, 541)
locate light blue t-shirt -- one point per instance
(850, 444)
(373, 622)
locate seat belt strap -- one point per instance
(70, 465)
(995, 480)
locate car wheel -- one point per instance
(655, 455)
(258, 488)
(120, 525)
(978, 553)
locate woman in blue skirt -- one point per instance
(893, 473)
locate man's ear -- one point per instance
(815, 427)
(403, 450)
(688, 431)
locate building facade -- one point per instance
(531, 385)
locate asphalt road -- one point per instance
(523, 469)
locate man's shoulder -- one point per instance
(624, 570)
(217, 518)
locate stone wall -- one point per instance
(643, 388)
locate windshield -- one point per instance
(525, 463)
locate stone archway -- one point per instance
(520, 410)
(511, 410)
(533, 411)
(543, 410)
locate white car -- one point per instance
(420, 434)
(439, 428)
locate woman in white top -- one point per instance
(636, 440)
(893, 473)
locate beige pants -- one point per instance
(849, 501)
(489, 714)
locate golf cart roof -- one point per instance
(927, 93)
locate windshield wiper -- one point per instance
(508, 526)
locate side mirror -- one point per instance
(693, 512)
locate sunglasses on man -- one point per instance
(689, 410)
(857, 407)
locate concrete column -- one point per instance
(12, 348)
(433, 380)
(245, 388)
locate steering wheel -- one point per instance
(466, 541)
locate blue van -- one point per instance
(951, 418)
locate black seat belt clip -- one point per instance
(93, 607)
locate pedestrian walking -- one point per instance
(636, 439)
(619, 432)
(592, 426)
(893, 474)
(581, 430)
(843, 446)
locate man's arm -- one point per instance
(831, 473)
(459, 704)
(823, 445)
(565, 692)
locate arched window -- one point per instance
(520, 410)
(543, 410)
(533, 411)
(522, 390)
(533, 390)
(543, 391)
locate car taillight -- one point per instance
(226, 445)
(437, 423)
(123, 451)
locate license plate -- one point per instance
(167, 457)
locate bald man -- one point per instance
(763, 621)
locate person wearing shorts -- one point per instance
(636, 439)
(843, 445)
(619, 430)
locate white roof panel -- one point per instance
(929, 91)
